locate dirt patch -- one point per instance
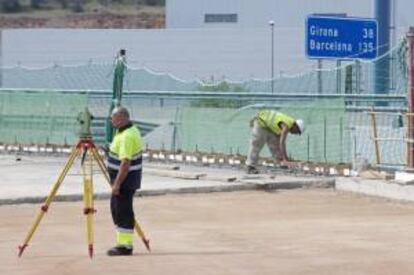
(289, 232)
(141, 20)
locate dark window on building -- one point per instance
(220, 18)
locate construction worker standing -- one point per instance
(271, 127)
(125, 170)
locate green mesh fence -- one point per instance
(227, 130)
(327, 137)
(335, 132)
(391, 133)
(40, 118)
(350, 77)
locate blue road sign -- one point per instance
(341, 37)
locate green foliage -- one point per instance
(155, 2)
(78, 6)
(10, 6)
(219, 103)
(160, 3)
(36, 4)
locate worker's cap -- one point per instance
(301, 125)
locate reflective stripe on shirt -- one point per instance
(114, 162)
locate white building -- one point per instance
(195, 45)
(257, 13)
(253, 17)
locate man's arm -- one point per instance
(121, 176)
(282, 144)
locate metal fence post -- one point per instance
(410, 97)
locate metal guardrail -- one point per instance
(226, 95)
(353, 102)
(98, 128)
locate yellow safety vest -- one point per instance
(271, 120)
(127, 144)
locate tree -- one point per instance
(155, 2)
(37, 4)
(78, 6)
(223, 86)
(10, 6)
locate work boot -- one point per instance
(119, 251)
(252, 170)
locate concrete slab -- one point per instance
(404, 177)
(31, 178)
(379, 188)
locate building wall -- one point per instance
(257, 13)
(186, 53)
(194, 52)
(190, 14)
(189, 54)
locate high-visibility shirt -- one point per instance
(126, 144)
(272, 120)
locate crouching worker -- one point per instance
(272, 128)
(125, 170)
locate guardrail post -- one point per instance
(410, 97)
(375, 136)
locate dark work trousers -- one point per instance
(122, 209)
(122, 205)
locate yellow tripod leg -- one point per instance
(137, 227)
(141, 234)
(101, 164)
(49, 199)
(88, 204)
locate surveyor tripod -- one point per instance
(89, 152)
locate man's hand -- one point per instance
(282, 142)
(115, 189)
(120, 177)
(286, 162)
(282, 160)
(251, 122)
(105, 149)
(289, 163)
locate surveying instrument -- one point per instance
(86, 148)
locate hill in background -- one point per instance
(95, 14)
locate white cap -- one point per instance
(301, 125)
